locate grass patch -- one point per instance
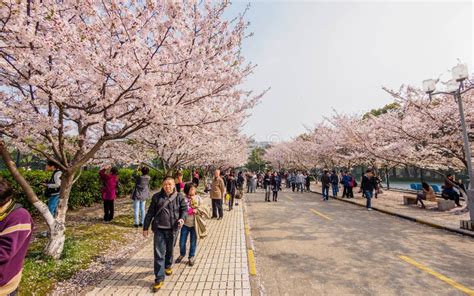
(84, 243)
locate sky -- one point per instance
(321, 56)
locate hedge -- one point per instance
(85, 192)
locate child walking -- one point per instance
(193, 201)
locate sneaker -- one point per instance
(179, 259)
(169, 271)
(135, 225)
(191, 261)
(141, 225)
(369, 209)
(157, 286)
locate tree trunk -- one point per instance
(56, 226)
(56, 238)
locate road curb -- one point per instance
(252, 267)
(413, 219)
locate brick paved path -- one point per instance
(221, 266)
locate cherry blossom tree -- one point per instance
(76, 76)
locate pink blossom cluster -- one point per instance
(419, 132)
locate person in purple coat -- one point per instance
(16, 227)
(109, 179)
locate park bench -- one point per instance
(443, 204)
(418, 187)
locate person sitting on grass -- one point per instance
(16, 228)
(427, 194)
(193, 201)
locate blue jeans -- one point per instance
(53, 202)
(326, 193)
(335, 189)
(139, 211)
(368, 196)
(163, 243)
(185, 230)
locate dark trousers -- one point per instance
(108, 210)
(217, 208)
(163, 243)
(344, 192)
(451, 194)
(349, 192)
(293, 186)
(275, 195)
(231, 201)
(267, 193)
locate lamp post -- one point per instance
(456, 88)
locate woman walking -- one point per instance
(193, 201)
(109, 180)
(140, 194)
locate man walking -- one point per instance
(368, 185)
(293, 181)
(16, 227)
(267, 186)
(231, 186)
(325, 183)
(334, 178)
(240, 186)
(217, 195)
(166, 213)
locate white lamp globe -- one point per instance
(460, 72)
(429, 85)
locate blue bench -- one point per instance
(436, 188)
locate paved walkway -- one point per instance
(221, 266)
(393, 201)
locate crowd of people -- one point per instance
(178, 209)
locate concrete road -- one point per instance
(304, 246)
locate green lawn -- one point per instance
(84, 243)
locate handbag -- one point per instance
(227, 197)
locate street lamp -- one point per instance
(456, 88)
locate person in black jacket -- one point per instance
(231, 186)
(325, 183)
(166, 214)
(368, 185)
(266, 186)
(275, 182)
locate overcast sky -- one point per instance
(322, 55)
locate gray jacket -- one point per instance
(141, 190)
(168, 217)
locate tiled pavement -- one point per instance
(221, 266)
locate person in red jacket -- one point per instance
(109, 180)
(16, 227)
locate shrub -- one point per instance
(84, 193)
